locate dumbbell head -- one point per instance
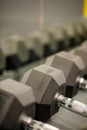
(45, 44)
(34, 41)
(15, 99)
(17, 44)
(82, 52)
(83, 23)
(9, 50)
(71, 65)
(60, 38)
(80, 31)
(33, 49)
(22, 52)
(15, 51)
(45, 81)
(71, 35)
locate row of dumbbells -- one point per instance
(43, 90)
(18, 50)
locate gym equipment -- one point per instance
(60, 38)
(14, 100)
(46, 42)
(80, 32)
(48, 85)
(16, 108)
(72, 36)
(83, 24)
(72, 105)
(30, 43)
(82, 52)
(45, 83)
(67, 120)
(72, 67)
(15, 51)
(42, 42)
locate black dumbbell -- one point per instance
(80, 31)
(71, 35)
(15, 51)
(60, 38)
(17, 107)
(72, 67)
(31, 44)
(43, 43)
(82, 52)
(49, 87)
(45, 83)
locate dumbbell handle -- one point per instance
(72, 105)
(82, 83)
(29, 123)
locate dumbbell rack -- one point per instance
(64, 119)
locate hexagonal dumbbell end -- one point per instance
(80, 31)
(15, 99)
(9, 49)
(45, 41)
(17, 43)
(72, 36)
(32, 43)
(19, 47)
(60, 39)
(71, 65)
(82, 53)
(45, 82)
(44, 45)
(15, 51)
(23, 54)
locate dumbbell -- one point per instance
(12, 61)
(2, 62)
(14, 51)
(17, 107)
(30, 43)
(84, 27)
(43, 43)
(72, 67)
(80, 31)
(83, 23)
(60, 38)
(44, 82)
(22, 51)
(72, 36)
(82, 52)
(48, 85)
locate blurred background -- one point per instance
(22, 16)
(31, 30)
